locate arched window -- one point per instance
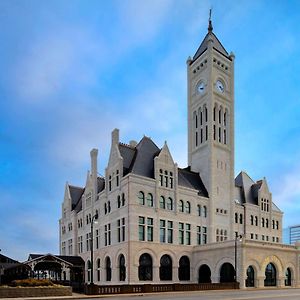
(288, 277)
(98, 269)
(273, 224)
(236, 217)
(122, 268)
(141, 197)
(150, 200)
(188, 207)
(227, 273)
(108, 269)
(180, 206)
(162, 202)
(105, 210)
(89, 268)
(145, 267)
(117, 178)
(170, 204)
(252, 220)
(256, 221)
(267, 223)
(241, 219)
(250, 277)
(184, 268)
(199, 210)
(161, 177)
(204, 274)
(270, 272)
(165, 269)
(204, 211)
(262, 222)
(108, 207)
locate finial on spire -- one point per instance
(210, 27)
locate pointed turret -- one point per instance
(210, 37)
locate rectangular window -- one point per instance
(97, 239)
(123, 230)
(188, 234)
(170, 232)
(70, 246)
(162, 231)
(181, 233)
(204, 235)
(141, 228)
(198, 235)
(63, 248)
(107, 235)
(150, 229)
(119, 230)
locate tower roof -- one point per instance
(210, 36)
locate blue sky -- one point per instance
(72, 71)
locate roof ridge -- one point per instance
(75, 186)
(126, 145)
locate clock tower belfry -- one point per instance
(210, 76)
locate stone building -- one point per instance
(154, 222)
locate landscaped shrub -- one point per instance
(32, 282)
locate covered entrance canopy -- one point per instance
(68, 269)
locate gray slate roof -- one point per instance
(76, 193)
(216, 45)
(246, 190)
(140, 160)
(192, 180)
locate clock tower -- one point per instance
(210, 76)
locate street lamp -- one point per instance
(237, 238)
(94, 220)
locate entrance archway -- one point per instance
(227, 273)
(184, 268)
(204, 274)
(288, 277)
(165, 270)
(145, 267)
(250, 277)
(270, 272)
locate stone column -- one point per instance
(280, 281)
(260, 281)
(156, 274)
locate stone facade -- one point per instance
(154, 222)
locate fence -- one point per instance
(153, 288)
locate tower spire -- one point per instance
(210, 27)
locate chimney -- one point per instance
(115, 136)
(133, 143)
(94, 154)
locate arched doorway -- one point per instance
(204, 274)
(250, 277)
(288, 277)
(270, 272)
(108, 269)
(165, 269)
(122, 268)
(145, 267)
(184, 268)
(227, 273)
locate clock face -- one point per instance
(220, 86)
(201, 87)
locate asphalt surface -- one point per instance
(250, 294)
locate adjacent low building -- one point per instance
(154, 222)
